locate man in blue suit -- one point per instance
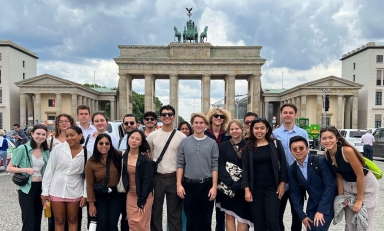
(313, 175)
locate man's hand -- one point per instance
(306, 221)
(319, 217)
(180, 191)
(212, 193)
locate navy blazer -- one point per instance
(321, 190)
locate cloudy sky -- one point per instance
(302, 40)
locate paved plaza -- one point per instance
(11, 216)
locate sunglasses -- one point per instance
(218, 116)
(106, 143)
(248, 122)
(149, 119)
(170, 114)
(130, 122)
(296, 149)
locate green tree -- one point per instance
(91, 85)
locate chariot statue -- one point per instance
(190, 32)
(177, 34)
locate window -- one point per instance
(378, 98)
(377, 120)
(378, 78)
(23, 75)
(354, 66)
(0, 74)
(24, 64)
(379, 58)
(0, 56)
(51, 117)
(1, 96)
(354, 78)
(51, 103)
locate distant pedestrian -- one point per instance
(185, 128)
(3, 150)
(248, 118)
(150, 122)
(367, 139)
(19, 135)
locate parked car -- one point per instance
(8, 136)
(10, 146)
(116, 128)
(378, 145)
(353, 136)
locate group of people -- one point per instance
(246, 171)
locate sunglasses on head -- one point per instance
(170, 114)
(129, 122)
(106, 143)
(296, 149)
(218, 116)
(149, 119)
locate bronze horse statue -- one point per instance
(203, 35)
(177, 35)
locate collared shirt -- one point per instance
(88, 131)
(367, 139)
(284, 136)
(303, 168)
(63, 175)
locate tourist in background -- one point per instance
(185, 128)
(230, 156)
(367, 139)
(150, 122)
(248, 118)
(62, 123)
(19, 135)
(353, 178)
(3, 150)
(264, 175)
(31, 159)
(63, 182)
(106, 207)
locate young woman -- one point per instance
(264, 175)
(106, 207)
(63, 181)
(138, 181)
(235, 208)
(62, 123)
(100, 121)
(31, 159)
(185, 128)
(352, 178)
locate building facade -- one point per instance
(16, 63)
(365, 65)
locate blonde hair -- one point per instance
(221, 110)
(199, 114)
(238, 123)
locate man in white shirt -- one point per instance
(129, 123)
(84, 118)
(165, 177)
(367, 139)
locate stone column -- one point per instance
(74, 105)
(303, 106)
(129, 96)
(174, 94)
(298, 105)
(91, 105)
(149, 92)
(266, 110)
(79, 100)
(355, 110)
(122, 85)
(113, 109)
(58, 104)
(290, 100)
(96, 106)
(319, 109)
(37, 107)
(205, 93)
(254, 93)
(230, 94)
(23, 110)
(339, 123)
(29, 108)
(347, 114)
(84, 100)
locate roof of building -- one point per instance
(370, 45)
(103, 89)
(274, 91)
(8, 43)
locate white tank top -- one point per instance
(37, 164)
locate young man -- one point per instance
(367, 139)
(284, 133)
(129, 123)
(19, 135)
(197, 163)
(320, 185)
(248, 118)
(165, 177)
(84, 118)
(150, 121)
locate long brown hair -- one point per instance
(57, 119)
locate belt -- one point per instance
(166, 175)
(198, 181)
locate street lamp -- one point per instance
(325, 93)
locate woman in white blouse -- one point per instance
(62, 123)
(100, 121)
(63, 183)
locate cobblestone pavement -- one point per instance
(10, 215)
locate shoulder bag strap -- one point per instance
(86, 141)
(236, 148)
(165, 147)
(26, 151)
(51, 143)
(85, 156)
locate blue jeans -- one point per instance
(3, 155)
(368, 151)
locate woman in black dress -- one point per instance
(232, 196)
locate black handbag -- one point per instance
(155, 164)
(101, 187)
(19, 178)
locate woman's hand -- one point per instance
(92, 210)
(43, 199)
(141, 211)
(30, 171)
(357, 206)
(248, 196)
(83, 202)
(280, 190)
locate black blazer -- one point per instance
(144, 178)
(279, 165)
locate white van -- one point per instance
(116, 128)
(353, 136)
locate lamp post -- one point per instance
(324, 120)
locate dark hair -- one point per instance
(343, 141)
(144, 147)
(44, 145)
(57, 119)
(130, 115)
(167, 107)
(78, 131)
(297, 139)
(17, 125)
(150, 113)
(250, 114)
(288, 105)
(98, 113)
(252, 140)
(112, 153)
(188, 125)
(83, 107)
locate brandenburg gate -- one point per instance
(189, 61)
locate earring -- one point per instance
(339, 144)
